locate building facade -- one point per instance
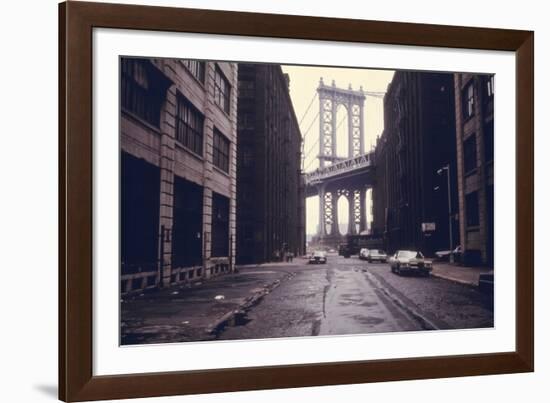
(412, 156)
(178, 127)
(271, 200)
(475, 153)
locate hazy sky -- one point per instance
(303, 87)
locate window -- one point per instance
(489, 87)
(141, 91)
(472, 210)
(222, 90)
(221, 151)
(196, 68)
(468, 101)
(470, 154)
(189, 126)
(489, 137)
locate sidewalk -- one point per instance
(197, 311)
(461, 274)
(297, 261)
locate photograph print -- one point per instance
(266, 200)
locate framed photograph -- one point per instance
(254, 201)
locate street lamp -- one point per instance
(440, 172)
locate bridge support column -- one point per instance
(351, 220)
(363, 210)
(335, 230)
(322, 228)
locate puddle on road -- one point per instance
(239, 318)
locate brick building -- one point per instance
(178, 170)
(418, 140)
(475, 151)
(271, 202)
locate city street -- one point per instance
(350, 296)
(344, 296)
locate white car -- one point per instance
(376, 255)
(319, 256)
(363, 253)
(408, 261)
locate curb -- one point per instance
(453, 279)
(426, 323)
(218, 325)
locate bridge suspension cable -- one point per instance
(311, 148)
(308, 165)
(304, 156)
(308, 108)
(304, 136)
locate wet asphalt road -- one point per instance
(350, 296)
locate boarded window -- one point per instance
(470, 154)
(139, 214)
(220, 225)
(472, 210)
(187, 231)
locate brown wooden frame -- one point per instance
(76, 22)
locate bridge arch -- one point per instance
(343, 214)
(336, 106)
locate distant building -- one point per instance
(271, 202)
(410, 203)
(178, 165)
(475, 153)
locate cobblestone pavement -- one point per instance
(344, 296)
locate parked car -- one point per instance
(376, 255)
(319, 256)
(363, 253)
(404, 261)
(444, 254)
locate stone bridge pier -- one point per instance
(329, 222)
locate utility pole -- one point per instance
(440, 172)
